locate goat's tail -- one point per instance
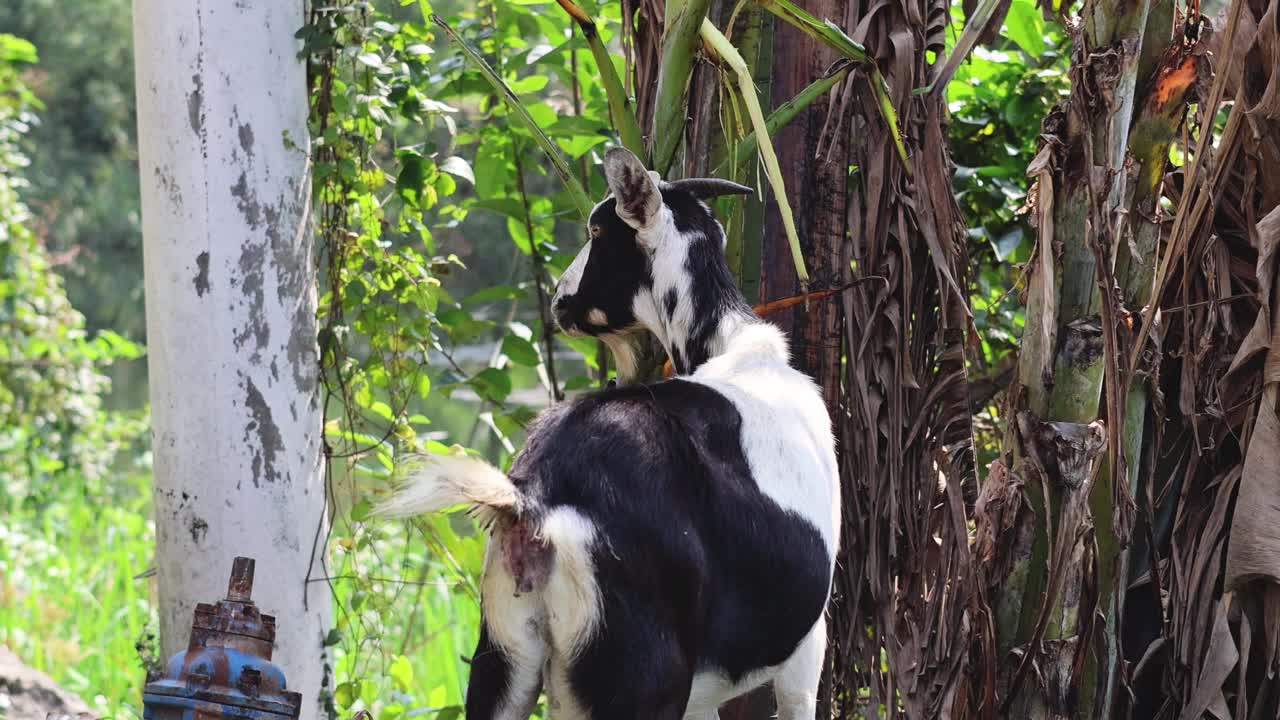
(439, 482)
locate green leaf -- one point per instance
(510, 207)
(491, 384)
(346, 693)
(581, 202)
(586, 347)
(578, 145)
(401, 673)
(360, 513)
(493, 169)
(543, 114)
(492, 294)
(382, 410)
(412, 177)
(461, 326)
(1007, 242)
(1025, 26)
(14, 49)
(530, 84)
(520, 351)
(520, 236)
(577, 382)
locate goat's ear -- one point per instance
(636, 191)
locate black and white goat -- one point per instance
(656, 549)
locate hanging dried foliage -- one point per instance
(907, 606)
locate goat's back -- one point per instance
(690, 535)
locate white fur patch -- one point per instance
(571, 595)
(786, 432)
(562, 704)
(572, 276)
(517, 624)
(624, 357)
(598, 317)
(796, 684)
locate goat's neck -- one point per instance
(692, 336)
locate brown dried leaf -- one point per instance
(1218, 664)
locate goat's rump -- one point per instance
(687, 546)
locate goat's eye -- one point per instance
(595, 231)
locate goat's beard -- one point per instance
(637, 356)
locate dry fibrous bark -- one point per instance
(908, 606)
(1181, 621)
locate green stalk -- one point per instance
(679, 43)
(620, 112)
(824, 31)
(830, 34)
(781, 116)
(558, 161)
(727, 53)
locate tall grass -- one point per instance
(69, 601)
(76, 600)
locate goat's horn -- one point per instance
(703, 188)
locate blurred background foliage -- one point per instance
(442, 228)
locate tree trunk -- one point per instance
(231, 300)
(1059, 609)
(816, 178)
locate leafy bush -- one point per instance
(70, 541)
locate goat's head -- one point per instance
(655, 253)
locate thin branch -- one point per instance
(539, 282)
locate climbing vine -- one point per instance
(441, 229)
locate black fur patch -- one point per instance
(698, 568)
(490, 678)
(616, 271)
(714, 292)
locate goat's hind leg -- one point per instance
(506, 669)
(504, 685)
(796, 684)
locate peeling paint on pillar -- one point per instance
(247, 201)
(195, 105)
(251, 268)
(246, 140)
(201, 279)
(261, 435)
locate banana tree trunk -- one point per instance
(1057, 585)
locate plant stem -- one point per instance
(621, 113)
(679, 43)
(727, 53)
(539, 282)
(782, 115)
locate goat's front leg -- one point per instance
(796, 685)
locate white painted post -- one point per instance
(230, 301)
